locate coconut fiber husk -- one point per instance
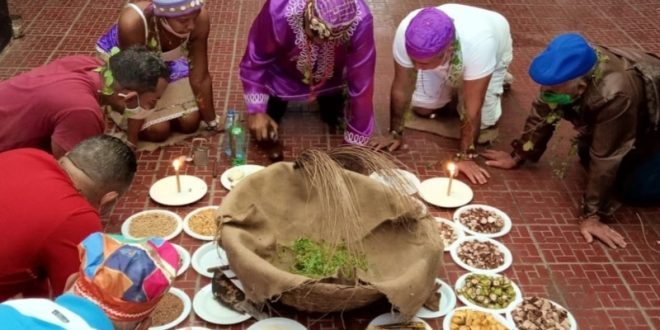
(315, 198)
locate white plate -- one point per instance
(184, 313)
(434, 191)
(410, 180)
(212, 311)
(391, 318)
(447, 302)
(184, 255)
(461, 282)
(458, 230)
(186, 225)
(193, 328)
(571, 319)
(446, 325)
(247, 170)
(505, 229)
(277, 323)
(207, 256)
(508, 258)
(177, 230)
(164, 190)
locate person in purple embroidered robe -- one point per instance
(311, 49)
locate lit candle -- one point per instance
(451, 167)
(177, 163)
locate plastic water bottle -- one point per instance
(238, 143)
(229, 120)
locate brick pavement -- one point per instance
(604, 289)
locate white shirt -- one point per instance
(483, 35)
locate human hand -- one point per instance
(499, 159)
(262, 126)
(474, 172)
(592, 226)
(390, 143)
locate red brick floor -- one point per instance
(603, 288)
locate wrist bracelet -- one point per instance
(469, 154)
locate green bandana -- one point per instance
(557, 98)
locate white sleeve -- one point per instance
(399, 45)
(479, 58)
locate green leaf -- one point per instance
(152, 44)
(552, 118)
(528, 146)
(114, 51)
(107, 90)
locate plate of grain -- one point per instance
(201, 224)
(172, 309)
(152, 223)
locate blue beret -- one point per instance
(568, 56)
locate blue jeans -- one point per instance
(638, 181)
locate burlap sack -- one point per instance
(277, 205)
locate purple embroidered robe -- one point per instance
(278, 54)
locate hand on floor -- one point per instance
(262, 126)
(474, 172)
(388, 143)
(499, 159)
(592, 226)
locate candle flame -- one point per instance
(451, 167)
(177, 164)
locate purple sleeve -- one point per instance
(259, 56)
(360, 67)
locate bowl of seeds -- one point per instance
(201, 224)
(492, 293)
(171, 310)
(536, 313)
(152, 223)
(481, 255)
(483, 220)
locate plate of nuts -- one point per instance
(539, 314)
(483, 220)
(481, 255)
(449, 231)
(469, 318)
(492, 293)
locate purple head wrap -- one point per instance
(329, 19)
(174, 8)
(429, 33)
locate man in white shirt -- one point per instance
(446, 50)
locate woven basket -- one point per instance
(330, 297)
